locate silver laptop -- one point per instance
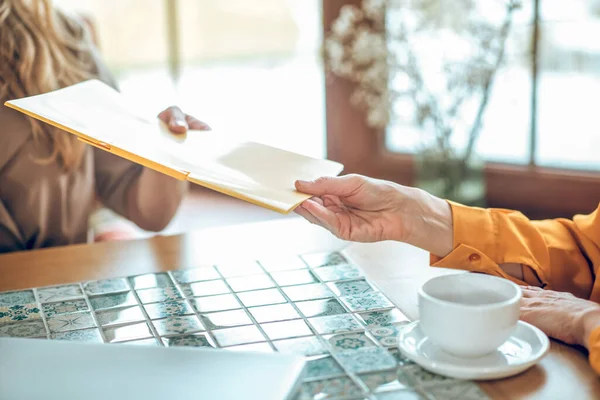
(52, 370)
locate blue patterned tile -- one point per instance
(205, 288)
(255, 347)
(338, 273)
(206, 273)
(144, 342)
(16, 313)
(251, 282)
(59, 293)
(221, 302)
(384, 381)
(282, 263)
(120, 316)
(342, 387)
(383, 317)
(70, 322)
(400, 359)
(348, 288)
(178, 325)
(106, 286)
(86, 335)
(169, 309)
(457, 391)
(286, 329)
(366, 359)
(261, 297)
(225, 319)
(107, 301)
(312, 291)
(128, 332)
(335, 324)
(320, 308)
(400, 395)
(24, 329)
(155, 295)
(426, 379)
(239, 335)
(317, 260)
(239, 268)
(16, 298)
(275, 312)
(64, 307)
(198, 340)
(306, 346)
(150, 281)
(349, 341)
(295, 277)
(322, 367)
(386, 335)
(367, 301)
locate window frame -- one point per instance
(538, 192)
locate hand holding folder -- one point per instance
(101, 117)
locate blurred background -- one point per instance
(255, 69)
(246, 67)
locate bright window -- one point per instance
(562, 127)
(249, 68)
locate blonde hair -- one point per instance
(42, 49)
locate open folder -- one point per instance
(102, 117)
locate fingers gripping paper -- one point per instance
(250, 171)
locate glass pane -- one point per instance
(569, 83)
(447, 50)
(251, 69)
(131, 33)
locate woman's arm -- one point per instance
(558, 254)
(148, 198)
(153, 200)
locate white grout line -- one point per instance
(210, 336)
(141, 306)
(254, 321)
(42, 313)
(93, 312)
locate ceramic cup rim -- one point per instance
(516, 298)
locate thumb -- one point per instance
(337, 186)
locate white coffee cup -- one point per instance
(469, 315)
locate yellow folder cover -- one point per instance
(101, 116)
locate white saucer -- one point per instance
(526, 346)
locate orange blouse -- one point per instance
(561, 254)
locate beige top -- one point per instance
(41, 206)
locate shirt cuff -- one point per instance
(594, 346)
(474, 242)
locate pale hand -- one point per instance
(362, 209)
(560, 315)
(179, 122)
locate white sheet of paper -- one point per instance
(54, 370)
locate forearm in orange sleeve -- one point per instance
(553, 252)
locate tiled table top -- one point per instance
(317, 305)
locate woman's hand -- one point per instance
(153, 209)
(560, 315)
(178, 122)
(362, 209)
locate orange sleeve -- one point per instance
(594, 348)
(558, 253)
